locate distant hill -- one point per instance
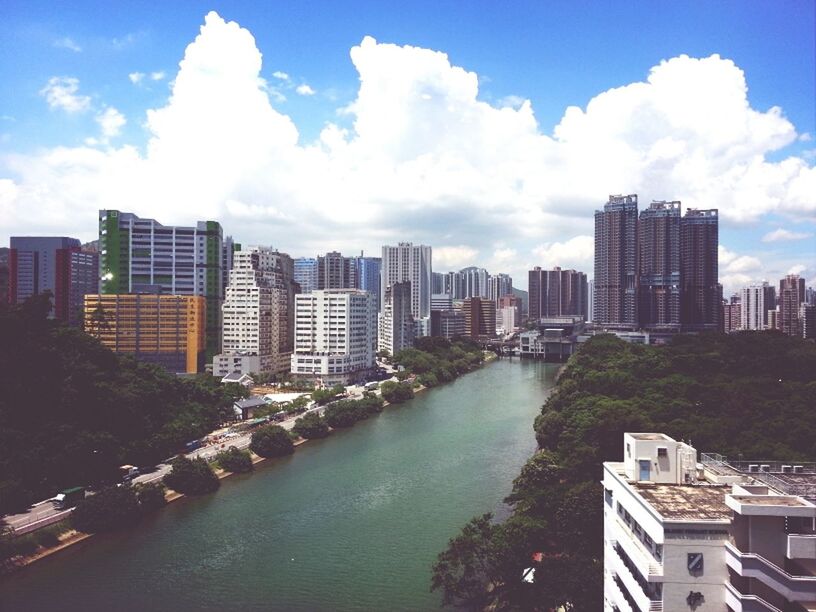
(525, 300)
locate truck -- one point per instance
(69, 498)
(193, 445)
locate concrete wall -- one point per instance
(680, 582)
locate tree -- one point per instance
(111, 508)
(150, 496)
(271, 441)
(395, 393)
(234, 460)
(191, 476)
(311, 426)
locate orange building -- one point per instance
(168, 330)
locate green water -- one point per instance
(352, 522)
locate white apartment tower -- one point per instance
(713, 534)
(412, 263)
(257, 315)
(335, 336)
(395, 323)
(755, 301)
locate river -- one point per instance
(353, 522)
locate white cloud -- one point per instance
(157, 76)
(136, 77)
(61, 92)
(111, 122)
(424, 159)
(67, 43)
(797, 269)
(783, 234)
(305, 90)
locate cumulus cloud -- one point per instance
(783, 234)
(157, 76)
(136, 77)
(110, 122)
(61, 92)
(305, 90)
(67, 43)
(420, 157)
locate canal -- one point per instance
(352, 522)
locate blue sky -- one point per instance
(555, 55)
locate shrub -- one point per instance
(271, 441)
(348, 412)
(234, 460)
(191, 477)
(311, 426)
(111, 508)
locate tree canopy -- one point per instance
(271, 441)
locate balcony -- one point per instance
(801, 546)
(749, 565)
(739, 602)
(646, 564)
(631, 582)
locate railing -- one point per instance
(627, 541)
(631, 574)
(740, 602)
(751, 565)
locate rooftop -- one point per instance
(770, 500)
(686, 502)
(649, 436)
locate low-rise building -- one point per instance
(682, 533)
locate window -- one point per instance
(628, 450)
(662, 451)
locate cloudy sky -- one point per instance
(489, 130)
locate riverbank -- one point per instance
(173, 496)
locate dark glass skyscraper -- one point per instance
(659, 276)
(700, 291)
(616, 262)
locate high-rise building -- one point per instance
(166, 330)
(335, 336)
(508, 312)
(4, 275)
(499, 286)
(480, 317)
(441, 301)
(395, 323)
(56, 264)
(335, 271)
(412, 263)
(616, 263)
(475, 282)
(143, 255)
(700, 291)
(773, 320)
(732, 315)
(791, 296)
(755, 301)
(715, 535)
(556, 293)
(306, 273)
(437, 282)
(258, 314)
(448, 323)
(807, 316)
(368, 272)
(591, 301)
(228, 248)
(659, 267)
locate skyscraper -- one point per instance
(700, 291)
(557, 292)
(56, 264)
(616, 255)
(395, 323)
(480, 317)
(408, 262)
(143, 255)
(659, 270)
(791, 296)
(499, 285)
(368, 272)
(755, 304)
(258, 314)
(335, 271)
(306, 274)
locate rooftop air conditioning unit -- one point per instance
(764, 468)
(753, 467)
(798, 469)
(787, 469)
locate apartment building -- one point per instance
(335, 336)
(395, 323)
(480, 317)
(707, 533)
(616, 263)
(412, 263)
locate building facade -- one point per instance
(791, 297)
(480, 317)
(166, 330)
(700, 291)
(756, 300)
(498, 286)
(143, 255)
(616, 263)
(258, 314)
(368, 271)
(708, 534)
(412, 263)
(395, 322)
(659, 265)
(335, 336)
(306, 273)
(557, 293)
(732, 315)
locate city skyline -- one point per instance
(552, 148)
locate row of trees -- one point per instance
(748, 393)
(437, 360)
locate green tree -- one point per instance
(150, 496)
(271, 441)
(110, 509)
(395, 393)
(311, 426)
(191, 476)
(234, 460)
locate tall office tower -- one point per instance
(258, 314)
(4, 275)
(453, 283)
(807, 316)
(56, 264)
(659, 275)
(810, 295)
(395, 323)
(166, 330)
(756, 301)
(228, 249)
(480, 317)
(306, 273)
(475, 281)
(143, 255)
(437, 282)
(773, 320)
(616, 265)
(556, 293)
(335, 336)
(368, 271)
(700, 291)
(789, 302)
(499, 286)
(412, 263)
(591, 301)
(732, 315)
(335, 271)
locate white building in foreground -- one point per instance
(335, 336)
(710, 535)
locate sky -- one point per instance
(489, 130)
